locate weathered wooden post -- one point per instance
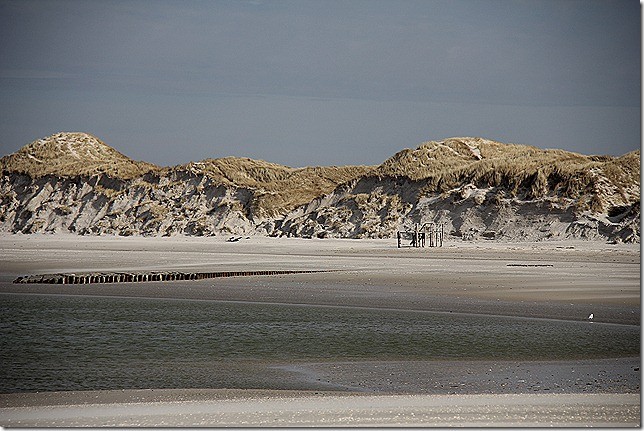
(441, 235)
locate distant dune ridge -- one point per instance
(478, 188)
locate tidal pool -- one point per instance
(52, 342)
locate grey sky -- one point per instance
(320, 82)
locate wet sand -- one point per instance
(585, 277)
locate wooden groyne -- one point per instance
(138, 277)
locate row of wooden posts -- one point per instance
(121, 277)
(431, 233)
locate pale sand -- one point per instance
(191, 408)
(592, 277)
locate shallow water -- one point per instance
(51, 342)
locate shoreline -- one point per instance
(402, 377)
(47, 292)
(360, 293)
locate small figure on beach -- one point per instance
(591, 317)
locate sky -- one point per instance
(324, 82)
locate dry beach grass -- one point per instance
(463, 277)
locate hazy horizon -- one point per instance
(305, 83)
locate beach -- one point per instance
(252, 409)
(547, 281)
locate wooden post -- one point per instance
(431, 234)
(435, 229)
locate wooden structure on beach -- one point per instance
(426, 234)
(144, 276)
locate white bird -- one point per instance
(591, 316)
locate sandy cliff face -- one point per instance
(479, 189)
